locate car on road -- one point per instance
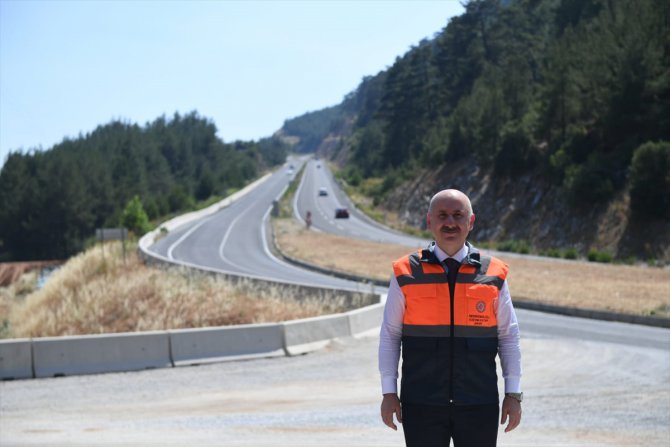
(323, 191)
(341, 213)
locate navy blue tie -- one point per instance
(452, 270)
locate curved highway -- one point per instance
(233, 240)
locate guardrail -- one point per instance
(91, 354)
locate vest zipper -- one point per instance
(451, 341)
(452, 290)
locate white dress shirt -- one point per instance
(391, 333)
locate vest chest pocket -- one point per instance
(421, 304)
(420, 290)
(481, 299)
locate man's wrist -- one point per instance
(515, 396)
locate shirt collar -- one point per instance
(459, 255)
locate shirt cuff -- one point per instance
(389, 385)
(513, 384)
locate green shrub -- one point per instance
(587, 184)
(570, 253)
(134, 218)
(553, 253)
(649, 177)
(515, 246)
(599, 256)
(516, 154)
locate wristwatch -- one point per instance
(517, 396)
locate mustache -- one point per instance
(448, 229)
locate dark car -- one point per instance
(341, 213)
(323, 191)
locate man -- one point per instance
(451, 309)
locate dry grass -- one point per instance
(95, 293)
(13, 295)
(637, 290)
(369, 259)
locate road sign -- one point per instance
(111, 234)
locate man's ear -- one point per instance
(427, 220)
(472, 222)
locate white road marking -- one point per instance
(183, 238)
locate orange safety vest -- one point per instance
(449, 343)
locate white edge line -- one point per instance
(269, 253)
(225, 238)
(179, 263)
(183, 238)
(147, 240)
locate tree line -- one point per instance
(52, 201)
(575, 91)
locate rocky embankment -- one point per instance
(529, 208)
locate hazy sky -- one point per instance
(68, 66)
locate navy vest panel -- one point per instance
(426, 370)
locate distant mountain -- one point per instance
(554, 115)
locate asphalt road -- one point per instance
(234, 239)
(316, 176)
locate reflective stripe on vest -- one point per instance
(427, 300)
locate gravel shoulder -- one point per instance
(578, 393)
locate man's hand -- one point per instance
(512, 408)
(390, 405)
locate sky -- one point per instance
(68, 66)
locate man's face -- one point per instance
(450, 221)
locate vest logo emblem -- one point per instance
(481, 307)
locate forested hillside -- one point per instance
(553, 114)
(52, 201)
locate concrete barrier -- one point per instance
(206, 345)
(309, 334)
(366, 319)
(16, 359)
(89, 354)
